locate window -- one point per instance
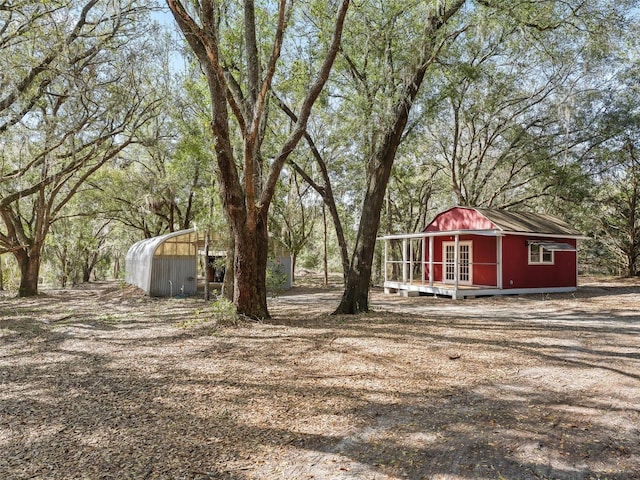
(540, 255)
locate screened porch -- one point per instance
(412, 266)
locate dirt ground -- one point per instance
(101, 382)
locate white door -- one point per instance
(464, 262)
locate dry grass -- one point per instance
(102, 382)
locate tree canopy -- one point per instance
(70, 105)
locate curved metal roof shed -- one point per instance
(165, 265)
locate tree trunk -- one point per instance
(87, 268)
(89, 265)
(1, 276)
(64, 266)
(116, 266)
(229, 276)
(342, 241)
(250, 266)
(245, 198)
(633, 208)
(29, 273)
(206, 266)
(356, 293)
(325, 255)
(325, 191)
(262, 237)
(294, 260)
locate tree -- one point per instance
(153, 191)
(620, 210)
(323, 187)
(28, 74)
(294, 215)
(239, 81)
(616, 164)
(75, 246)
(163, 184)
(385, 140)
(502, 132)
(74, 103)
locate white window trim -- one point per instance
(541, 261)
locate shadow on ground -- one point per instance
(101, 386)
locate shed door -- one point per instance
(464, 262)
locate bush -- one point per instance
(223, 312)
(276, 278)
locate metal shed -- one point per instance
(165, 265)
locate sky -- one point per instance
(165, 18)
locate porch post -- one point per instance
(411, 261)
(386, 259)
(431, 261)
(422, 261)
(456, 262)
(499, 262)
(404, 260)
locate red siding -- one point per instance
(517, 273)
(484, 260)
(459, 218)
(437, 258)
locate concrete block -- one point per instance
(409, 293)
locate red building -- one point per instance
(478, 251)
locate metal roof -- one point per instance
(553, 246)
(526, 222)
(505, 221)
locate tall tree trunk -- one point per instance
(245, 294)
(64, 267)
(116, 266)
(246, 198)
(262, 239)
(87, 268)
(29, 263)
(356, 293)
(325, 191)
(325, 255)
(355, 298)
(633, 208)
(206, 266)
(250, 265)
